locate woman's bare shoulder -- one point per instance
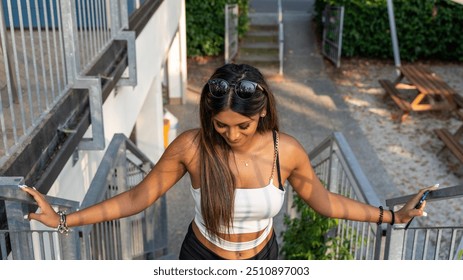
(188, 136)
(185, 140)
(291, 149)
(290, 142)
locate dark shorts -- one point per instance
(193, 249)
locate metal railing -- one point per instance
(335, 164)
(427, 241)
(231, 32)
(46, 49)
(142, 236)
(281, 38)
(337, 167)
(333, 22)
(20, 241)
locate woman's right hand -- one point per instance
(47, 214)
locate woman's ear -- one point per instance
(263, 113)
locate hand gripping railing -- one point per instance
(26, 241)
(142, 236)
(430, 237)
(337, 167)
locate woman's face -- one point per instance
(236, 129)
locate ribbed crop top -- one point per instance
(254, 211)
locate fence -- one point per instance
(337, 167)
(333, 22)
(19, 241)
(231, 31)
(427, 241)
(142, 236)
(47, 47)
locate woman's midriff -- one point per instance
(234, 255)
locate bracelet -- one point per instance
(393, 218)
(380, 220)
(63, 226)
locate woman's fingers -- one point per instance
(413, 203)
(47, 214)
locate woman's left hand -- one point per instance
(408, 211)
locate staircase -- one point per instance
(260, 45)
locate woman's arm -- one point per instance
(168, 170)
(308, 186)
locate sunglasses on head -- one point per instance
(244, 89)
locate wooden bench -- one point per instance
(394, 93)
(452, 141)
(420, 90)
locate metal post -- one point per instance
(93, 84)
(71, 45)
(395, 44)
(119, 25)
(5, 47)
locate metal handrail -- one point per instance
(25, 241)
(337, 167)
(426, 241)
(142, 236)
(47, 46)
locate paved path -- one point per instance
(310, 106)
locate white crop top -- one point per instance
(254, 211)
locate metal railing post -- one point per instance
(93, 84)
(281, 37)
(71, 45)
(119, 26)
(6, 50)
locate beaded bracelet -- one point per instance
(62, 227)
(381, 212)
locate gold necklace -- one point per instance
(246, 163)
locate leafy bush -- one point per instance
(426, 29)
(205, 21)
(306, 237)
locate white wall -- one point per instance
(162, 37)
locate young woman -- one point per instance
(237, 161)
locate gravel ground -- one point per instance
(410, 150)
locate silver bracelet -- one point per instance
(63, 226)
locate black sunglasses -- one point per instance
(244, 89)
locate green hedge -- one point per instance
(426, 29)
(205, 21)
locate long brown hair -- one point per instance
(217, 180)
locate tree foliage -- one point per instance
(205, 21)
(426, 29)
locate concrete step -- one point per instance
(261, 35)
(263, 27)
(257, 58)
(259, 52)
(259, 45)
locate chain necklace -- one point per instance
(249, 161)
